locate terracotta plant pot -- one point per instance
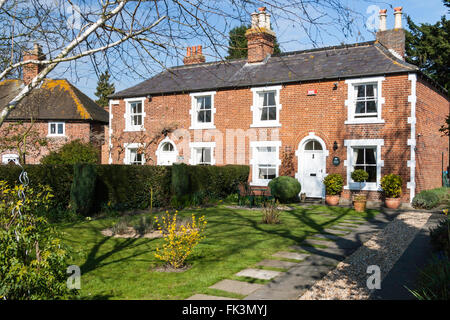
(360, 205)
(332, 200)
(393, 203)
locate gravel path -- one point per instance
(348, 280)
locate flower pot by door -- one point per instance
(393, 203)
(332, 200)
(360, 205)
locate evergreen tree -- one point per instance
(104, 88)
(428, 47)
(237, 44)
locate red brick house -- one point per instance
(60, 113)
(305, 114)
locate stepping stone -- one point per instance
(336, 232)
(345, 224)
(342, 228)
(326, 236)
(291, 255)
(239, 287)
(318, 242)
(277, 264)
(208, 297)
(258, 274)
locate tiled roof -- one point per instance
(363, 59)
(53, 100)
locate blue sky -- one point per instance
(289, 37)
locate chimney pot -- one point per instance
(194, 55)
(262, 9)
(383, 19)
(260, 39)
(398, 17)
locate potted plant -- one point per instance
(392, 190)
(333, 187)
(359, 201)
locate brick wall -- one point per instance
(73, 130)
(324, 114)
(432, 147)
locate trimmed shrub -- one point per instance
(73, 152)
(392, 185)
(58, 177)
(180, 180)
(333, 184)
(82, 190)
(284, 188)
(217, 182)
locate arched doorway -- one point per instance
(312, 155)
(166, 153)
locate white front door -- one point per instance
(312, 168)
(167, 153)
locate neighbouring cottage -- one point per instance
(56, 111)
(305, 114)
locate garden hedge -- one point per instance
(128, 186)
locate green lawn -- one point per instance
(115, 268)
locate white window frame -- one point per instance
(256, 108)
(254, 162)
(56, 134)
(127, 115)
(366, 186)
(128, 147)
(10, 156)
(197, 145)
(350, 103)
(193, 111)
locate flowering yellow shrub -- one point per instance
(179, 240)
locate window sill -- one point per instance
(200, 127)
(260, 183)
(134, 130)
(265, 125)
(56, 136)
(371, 186)
(364, 121)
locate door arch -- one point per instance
(312, 164)
(166, 153)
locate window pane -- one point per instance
(264, 114)
(370, 156)
(361, 91)
(201, 116)
(207, 102)
(265, 102)
(370, 92)
(52, 128)
(372, 171)
(309, 145)
(271, 98)
(371, 106)
(360, 156)
(206, 155)
(208, 116)
(272, 113)
(167, 147)
(60, 128)
(136, 120)
(360, 107)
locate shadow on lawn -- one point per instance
(93, 261)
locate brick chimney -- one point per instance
(260, 38)
(393, 39)
(32, 70)
(194, 55)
